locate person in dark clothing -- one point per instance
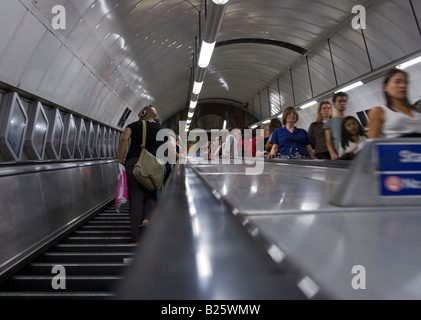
(142, 201)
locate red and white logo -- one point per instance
(393, 183)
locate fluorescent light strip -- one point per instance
(266, 121)
(311, 103)
(350, 87)
(193, 104)
(197, 87)
(205, 54)
(408, 63)
(190, 115)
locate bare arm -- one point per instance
(123, 144)
(310, 151)
(273, 151)
(329, 144)
(376, 118)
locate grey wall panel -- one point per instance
(275, 104)
(79, 33)
(89, 45)
(76, 95)
(75, 9)
(287, 95)
(264, 101)
(391, 32)
(56, 70)
(9, 22)
(20, 49)
(321, 70)
(41, 60)
(349, 55)
(66, 81)
(302, 88)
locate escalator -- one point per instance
(86, 265)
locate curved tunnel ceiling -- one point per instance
(118, 54)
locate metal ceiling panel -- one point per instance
(9, 22)
(301, 80)
(321, 70)
(349, 55)
(41, 59)
(392, 31)
(274, 99)
(19, 51)
(55, 71)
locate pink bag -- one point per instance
(121, 196)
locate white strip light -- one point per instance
(190, 115)
(205, 54)
(266, 121)
(350, 87)
(408, 63)
(193, 104)
(311, 103)
(197, 87)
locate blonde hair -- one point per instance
(319, 110)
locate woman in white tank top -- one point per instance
(399, 118)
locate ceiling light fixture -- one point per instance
(216, 11)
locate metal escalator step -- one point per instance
(108, 239)
(14, 295)
(100, 232)
(90, 222)
(105, 227)
(72, 283)
(69, 257)
(106, 218)
(81, 268)
(103, 247)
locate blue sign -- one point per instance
(399, 157)
(400, 184)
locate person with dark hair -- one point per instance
(332, 127)
(142, 201)
(399, 118)
(275, 123)
(316, 131)
(290, 141)
(353, 138)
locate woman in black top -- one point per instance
(142, 201)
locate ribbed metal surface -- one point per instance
(93, 257)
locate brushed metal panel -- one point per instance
(326, 246)
(303, 188)
(22, 220)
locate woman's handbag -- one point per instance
(148, 170)
(121, 195)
